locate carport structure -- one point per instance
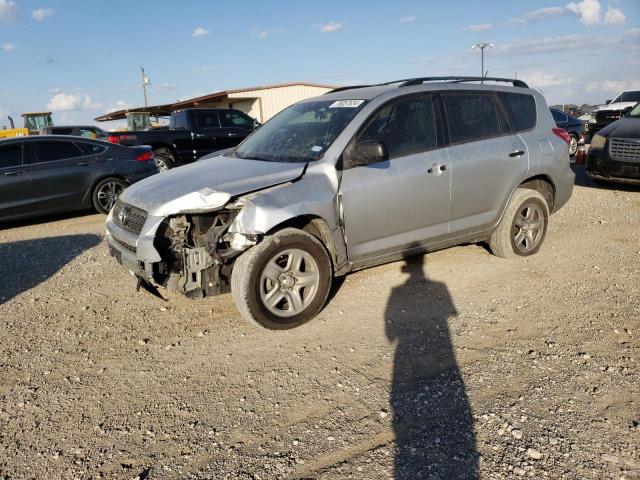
(261, 103)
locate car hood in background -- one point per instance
(626, 127)
(615, 106)
(207, 184)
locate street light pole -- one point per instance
(145, 82)
(482, 46)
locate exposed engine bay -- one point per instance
(197, 253)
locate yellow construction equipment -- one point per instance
(33, 122)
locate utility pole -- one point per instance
(482, 46)
(145, 82)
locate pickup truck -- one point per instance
(192, 133)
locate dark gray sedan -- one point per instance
(47, 174)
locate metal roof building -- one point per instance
(261, 103)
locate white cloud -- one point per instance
(8, 10)
(201, 32)
(478, 27)
(408, 19)
(119, 105)
(587, 10)
(164, 87)
(41, 13)
(72, 101)
(541, 79)
(614, 16)
(539, 14)
(613, 86)
(332, 26)
(8, 47)
(263, 33)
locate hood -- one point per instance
(626, 127)
(207, 184)
(615, 106)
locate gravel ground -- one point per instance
(455, 365)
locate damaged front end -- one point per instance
(198, 253)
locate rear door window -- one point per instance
(11, 155)
(51, 151)
(207, 120)
(406, 126)
(471, 116)
(521, 109)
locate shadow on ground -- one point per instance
(584, 180)
(432, 417)
(27, 263)
(52, 217)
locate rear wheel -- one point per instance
(164, 159)
(106, 193)
(283, 281)
(523, 227)
(573, 145)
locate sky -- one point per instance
(81, 59)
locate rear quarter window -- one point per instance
(91, 148)
(521, 109)
(471, 116)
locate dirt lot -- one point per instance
(456, 365)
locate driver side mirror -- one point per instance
(607, 102)
(368, 152)
(256, 124)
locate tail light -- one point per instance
(145, 156)
(113, 139)
(562, 133)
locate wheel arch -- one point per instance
(543, 184)
(316, 226)
(88, 196)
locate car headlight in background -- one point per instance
(598, 141)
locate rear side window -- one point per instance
(406, 126)
(559, 116)
(471, 116)
(231, 118)
(206, 120)
(50, 151)
(11, 155)
(91, 148)
(521, 109)
(179, 121)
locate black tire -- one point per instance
(247, 279)
(511, 240)
(164, 159)
(106, 192)
(573, 145)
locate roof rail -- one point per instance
(417, 81)
(408, 82)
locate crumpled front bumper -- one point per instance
(134, 252)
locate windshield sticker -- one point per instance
(346, 104)
(316, 148)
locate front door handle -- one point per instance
(437, 169)
(516, 153)
(85, 164)
(15, 172)
(200, 135)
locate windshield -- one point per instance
(301, 133)
(628, 97)
(635, 112)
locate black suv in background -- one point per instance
(86, 131)
(192, 133)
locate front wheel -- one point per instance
(523, 227)
(106, 193)
(283, 281)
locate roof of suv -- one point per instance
(368, 92)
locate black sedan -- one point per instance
(614, 153)
(573, 126)
(46, 174)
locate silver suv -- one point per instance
(354, 178)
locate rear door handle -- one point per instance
(85, 164)
(516, 153)
(15, 172)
